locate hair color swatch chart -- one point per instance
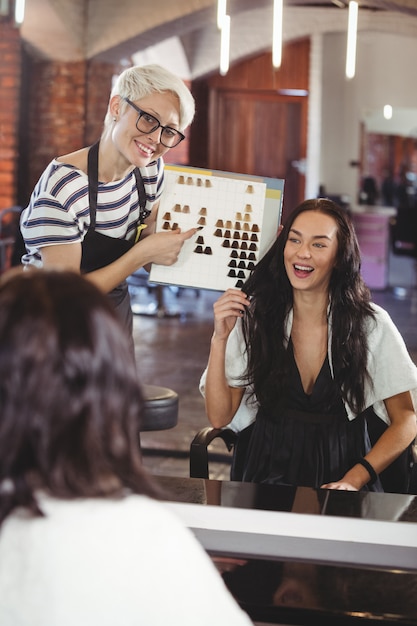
(237, 217)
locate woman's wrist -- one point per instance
(218, 340)
(373, 476)
(358, 476)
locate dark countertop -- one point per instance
(360, 505)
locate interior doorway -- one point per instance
(260, 133)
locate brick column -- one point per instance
(99, 84)
(56, 114)
(68, 102)
(10, 66)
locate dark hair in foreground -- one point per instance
(70, 402)
(272, 299)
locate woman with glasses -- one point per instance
(93, 211)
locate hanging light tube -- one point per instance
(351, 39)
(19, 11)
(225, 45)
(277, 34)
(221, 13)
(387, 111)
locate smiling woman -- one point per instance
(309, 254)
(302, 359)
(147, 123)
(93, 211)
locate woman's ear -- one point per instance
(115, 107)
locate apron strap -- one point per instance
(92, 171)
(143, 211)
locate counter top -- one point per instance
(322, 526)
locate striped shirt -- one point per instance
(58, 211)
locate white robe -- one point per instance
(102, 562)
(389, 364)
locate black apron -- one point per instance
(99, 250)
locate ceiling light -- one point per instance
(225, 45)
(277, 34)
(387, 111)
(19, 11)
(351, 39)
(221, 12)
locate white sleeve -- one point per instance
(236, 363)
(390, 366)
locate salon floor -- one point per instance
(172, 341)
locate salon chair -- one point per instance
(161, 408)
(404, 232)
(404, 235)
(236, 444)
(400, 477)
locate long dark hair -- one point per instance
(272, 299)
(70, 401)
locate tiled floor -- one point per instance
(172, 351)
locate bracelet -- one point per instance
(372, 473)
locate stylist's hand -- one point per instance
(164, 247)
(227, 309)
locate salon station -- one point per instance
(320, 96)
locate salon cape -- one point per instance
(389, 365)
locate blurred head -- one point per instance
(137, 82)
(70, 401)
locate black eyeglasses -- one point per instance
(147, 123)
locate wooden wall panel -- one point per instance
(258, 73)
(253, 125)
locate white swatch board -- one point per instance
(238, 217)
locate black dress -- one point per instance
(308, 440)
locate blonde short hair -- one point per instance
(140, 81)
